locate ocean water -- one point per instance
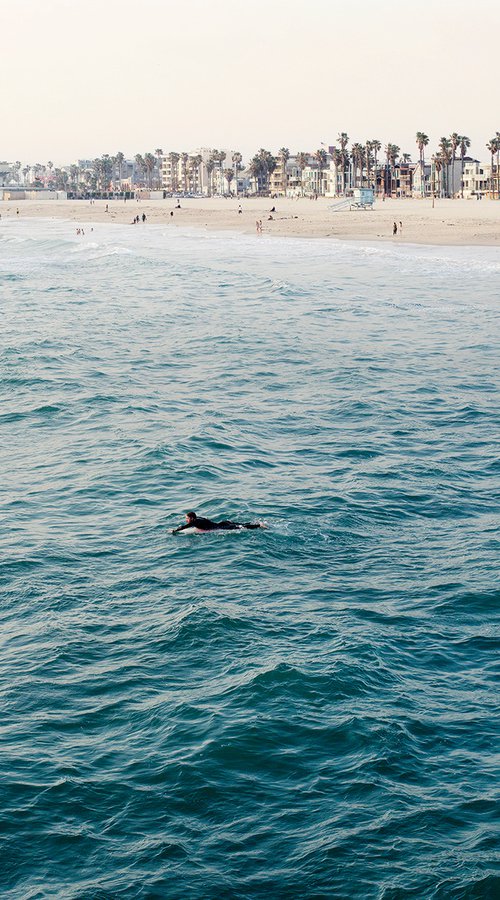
(308, 711)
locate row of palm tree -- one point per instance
(357, 166)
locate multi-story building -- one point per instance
(286, 178)
(421, 186)
(476, 178)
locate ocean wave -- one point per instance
(303, 711)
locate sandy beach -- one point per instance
(458, 222)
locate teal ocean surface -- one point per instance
(304, 712)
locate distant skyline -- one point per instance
(80, 80)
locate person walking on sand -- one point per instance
(395, 228)
(239, 209)
(401, 228)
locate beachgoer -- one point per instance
(144, 217)
(239, 209)
(401, 228)
(171, 212)
(193, 521)
(395, 228)
(107, 208)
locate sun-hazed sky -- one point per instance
(79, 78)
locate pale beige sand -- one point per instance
(449, 222)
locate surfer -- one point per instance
(194, 521)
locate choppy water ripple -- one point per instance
(308, 711)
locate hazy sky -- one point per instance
(79, 78)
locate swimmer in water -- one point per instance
(193, 521)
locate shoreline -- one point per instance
(449, 223)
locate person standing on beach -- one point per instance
(401, 228)
(239, 209)
(394, 228)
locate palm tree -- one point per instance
(173, 159)
(497, 141)
(228, 175)
(391, 153)
(97, 173)
(492, 146)
(268, 165)
(210, 168)
(218, 157)
(337, 161)
(184, 163)
(284, 156)
(214, 156)
(236, 160)
(321, 158)
(357, 154)
(454, 144)
(438, 165)
(222, 157)
(376, 147)
(140, 165)
(255, 169)
(464, 146)
(368, 160)
(196, 162)
(422, 141)
(74, 172)
(343, 140)
(159, 156)
(302, 162)
(445, 154)
(150, 164)
(119, 162)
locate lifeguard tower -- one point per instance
(361, 198)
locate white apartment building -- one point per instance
(477, 178)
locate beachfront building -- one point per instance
(477, 178)
(422, 180)
(311, 177)
(285, 180)
(446, 176)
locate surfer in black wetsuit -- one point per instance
(194, 521)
